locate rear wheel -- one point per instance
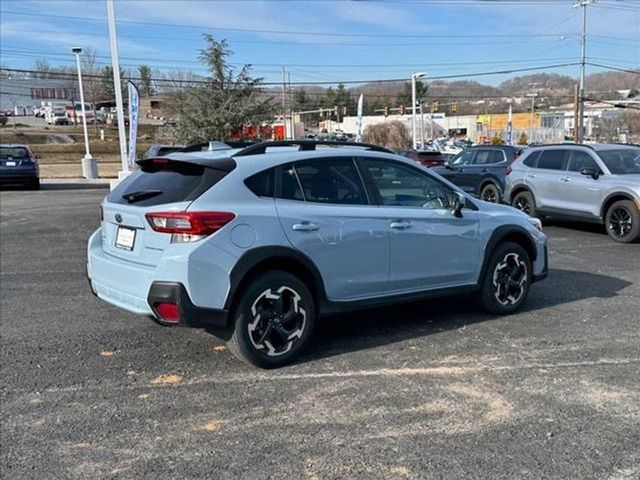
(273, 320)
(623, 222)
(524, 202)
(507, 279)
(34, 184)
(490, 193)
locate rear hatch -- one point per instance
(12, 157)
(160, 185)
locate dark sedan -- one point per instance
(481, 170)
(18, 166)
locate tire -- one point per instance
(490, 193)
(507, 279)
(273, 320)
(622, 222)
(524, 202)
(34, 184)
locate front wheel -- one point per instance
(273, 320)
(623, 222)
(506, 280)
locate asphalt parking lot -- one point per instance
(430, 390)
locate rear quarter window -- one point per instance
(167, 183)
(531, 160)
(261, 184)
(552, 159)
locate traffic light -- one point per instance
(454, 107)
(401, 109)
(386, 111)
(434, 106)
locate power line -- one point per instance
(286, 32)
(351, 82)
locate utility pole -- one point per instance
(293, 132)
(414, 77)
(284, 102)
(576, 112)
(583, 44)
(421, 126)
(533, 96)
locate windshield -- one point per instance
(13, 153)
(623, 161)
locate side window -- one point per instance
(261, 184)
(400, 185)
(463, 158)
(531, 160)
(552, 159)
(289, 185)
(579, 160)
(488, 157)
(331, 181)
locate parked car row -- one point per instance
(590, 183)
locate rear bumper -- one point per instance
(190, 315)
(18, 176)
(195, 287)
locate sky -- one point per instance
(330, 40)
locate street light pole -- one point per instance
(583, 44)
(414, 76)
(89, 164)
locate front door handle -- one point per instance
(565, 179)
(400, 224)
(305, 227)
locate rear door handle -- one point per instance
(305, 227)
(531, 175)
(565, 179)
(399, 224)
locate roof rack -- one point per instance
(561, 145)
(199, 147)
(305, 145)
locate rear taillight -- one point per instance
(168, 312)
(508, 170)
(188, 226)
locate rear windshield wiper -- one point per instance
(141, 195)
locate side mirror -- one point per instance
(447, 164)
(591, 172)
(459, 201)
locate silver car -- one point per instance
(592, 183)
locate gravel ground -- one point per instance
(429, 390)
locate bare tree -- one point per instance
(393, 135)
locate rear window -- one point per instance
(166, 183)
(13, 153)
(166, 150)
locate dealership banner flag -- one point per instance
(133, 122)
(359, 120)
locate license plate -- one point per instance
(10, 164)
(125, 238)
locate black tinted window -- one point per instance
(623, 161)
(156, 184)
(579, 160)
(487, 157)
(463, 158)
(552, 159)
(261, 183)
(331, 181)
(289, 185)
(400, 185)
(531, 160)
(13, 153)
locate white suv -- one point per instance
(593, 183)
